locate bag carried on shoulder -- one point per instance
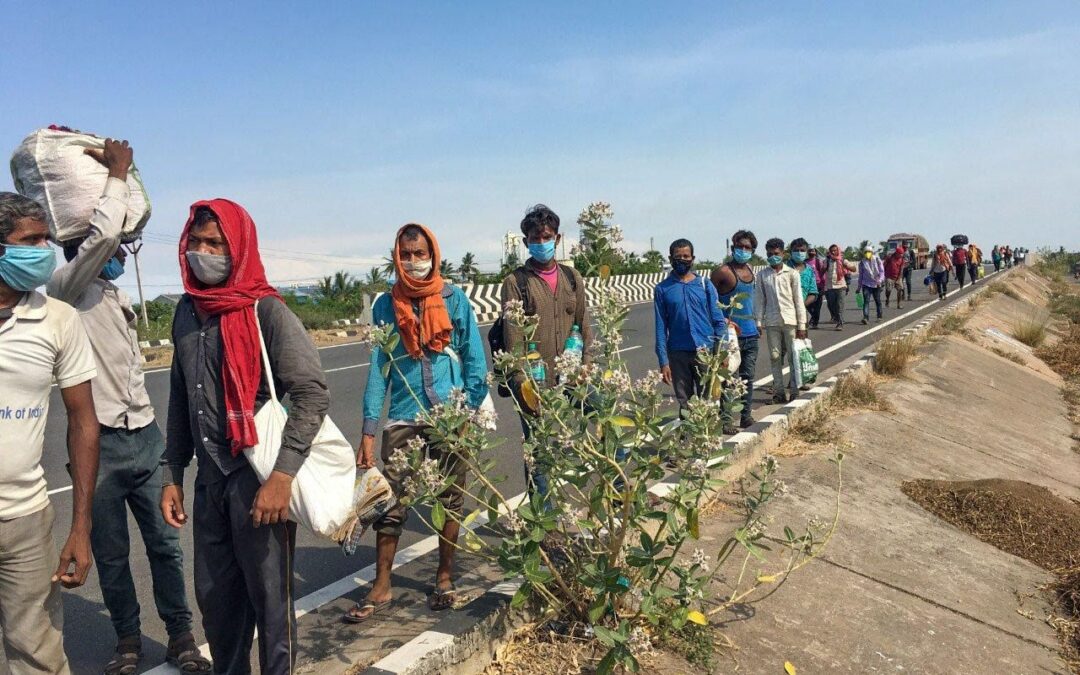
(808, 363)
(323, 490)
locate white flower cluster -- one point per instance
(567, 366)
(779, 488)
(769, 463)
(639, 642)
(515, 522)
(700, 559)
(595, 212)
(426, 480)
(399, 461)
(485, 418)
(514, 312)
(502, 361)
(697, 468)
(378, 334)
(649, 383)
(619, 381)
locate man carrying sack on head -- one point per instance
(440, 352)
(243, 539)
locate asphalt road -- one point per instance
(89, 639)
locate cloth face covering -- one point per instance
(209, 268)
(798, 256)
(433, 328)
(417, 270)
(741, 255)
(24, 268)
(774, 260)
(113, 269)
(542, 253)
(681, 267)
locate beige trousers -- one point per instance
(31, 611)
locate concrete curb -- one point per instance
(441, 651)
(147, 344)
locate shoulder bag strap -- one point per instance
(267, 370)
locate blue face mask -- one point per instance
(24, 268)
(798, 256)
(741, 255)
(112, 270)
(542, 253)
(681, 267)
(775, 260)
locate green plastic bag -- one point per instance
(859, 299)
(808, 363)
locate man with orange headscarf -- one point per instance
(243, 539)
(440, 355)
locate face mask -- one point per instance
(24, 268)
(418, 270)
(681, 267)
(112, 270)
(741, 255)
(798, 256)
(868, 255)
(209, 268)
(542, 253)
(774, 260)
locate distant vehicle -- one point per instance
(911, 241)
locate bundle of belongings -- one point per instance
(959, 240)
(51, 167)
(372, 498)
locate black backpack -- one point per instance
(496, 343)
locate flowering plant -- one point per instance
(609, 546)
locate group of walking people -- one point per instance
(81, 335)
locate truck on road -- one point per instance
(915, 242)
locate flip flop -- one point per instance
(442, 599)
(372, 609)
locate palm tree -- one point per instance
(388, 264)
(446, 269)
(326, 288)
(343, 284)
(654, 260)
(376, 281)
(468, 268)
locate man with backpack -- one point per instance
(555, 294)
(688, 318)
(960, 264)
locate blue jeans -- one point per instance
(129, 476)
(868, 293)
(748, 352)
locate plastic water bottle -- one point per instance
(575, 343)
(537, 368)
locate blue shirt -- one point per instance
(688, 316)
(742, 316)
(433, 376)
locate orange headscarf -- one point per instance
(434, 328)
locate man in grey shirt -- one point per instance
(129, 475)
(243, 540)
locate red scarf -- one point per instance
(434, 329)
(838, 262)
(234, 301)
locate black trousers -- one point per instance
(686, 376)
(815, 308)
(243, 577)
(960, 271)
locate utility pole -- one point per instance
(134, 249)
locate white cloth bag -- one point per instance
(731, 345)
(51, 167)
(322, 492)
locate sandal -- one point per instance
(371, 609)
(185, 655)
(442, 599)
(126, 660)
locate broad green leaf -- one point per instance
(521, 595)
(692, 523)
(438, 516)
(608, 636)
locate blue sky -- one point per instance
(334, 123)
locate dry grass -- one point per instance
(1003, 288)
(1065, 593)
(946, 325)
(814, 426)
(1030, 330)
(858, 391)
(1012, 356)
(894, 354)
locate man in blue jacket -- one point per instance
(440, 353)
(688, 319)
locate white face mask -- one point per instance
(417, 270)
(209, 268)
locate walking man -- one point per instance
(799, 262)
(940, 269)
(894, 280)
(440, 353)
(974, 261)
(837, 271)
(555, 294)
(995, 257)
(244, 542)
(688, 318)
(960, 264)
(42, 341)
(871, 279)
(735, 283)
(911, 263)
(816, 263)
(129, 474)
(779, 309)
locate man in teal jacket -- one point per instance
(440, 355)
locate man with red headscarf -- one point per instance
(243, 539)
(440, 356)
(894, 275)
